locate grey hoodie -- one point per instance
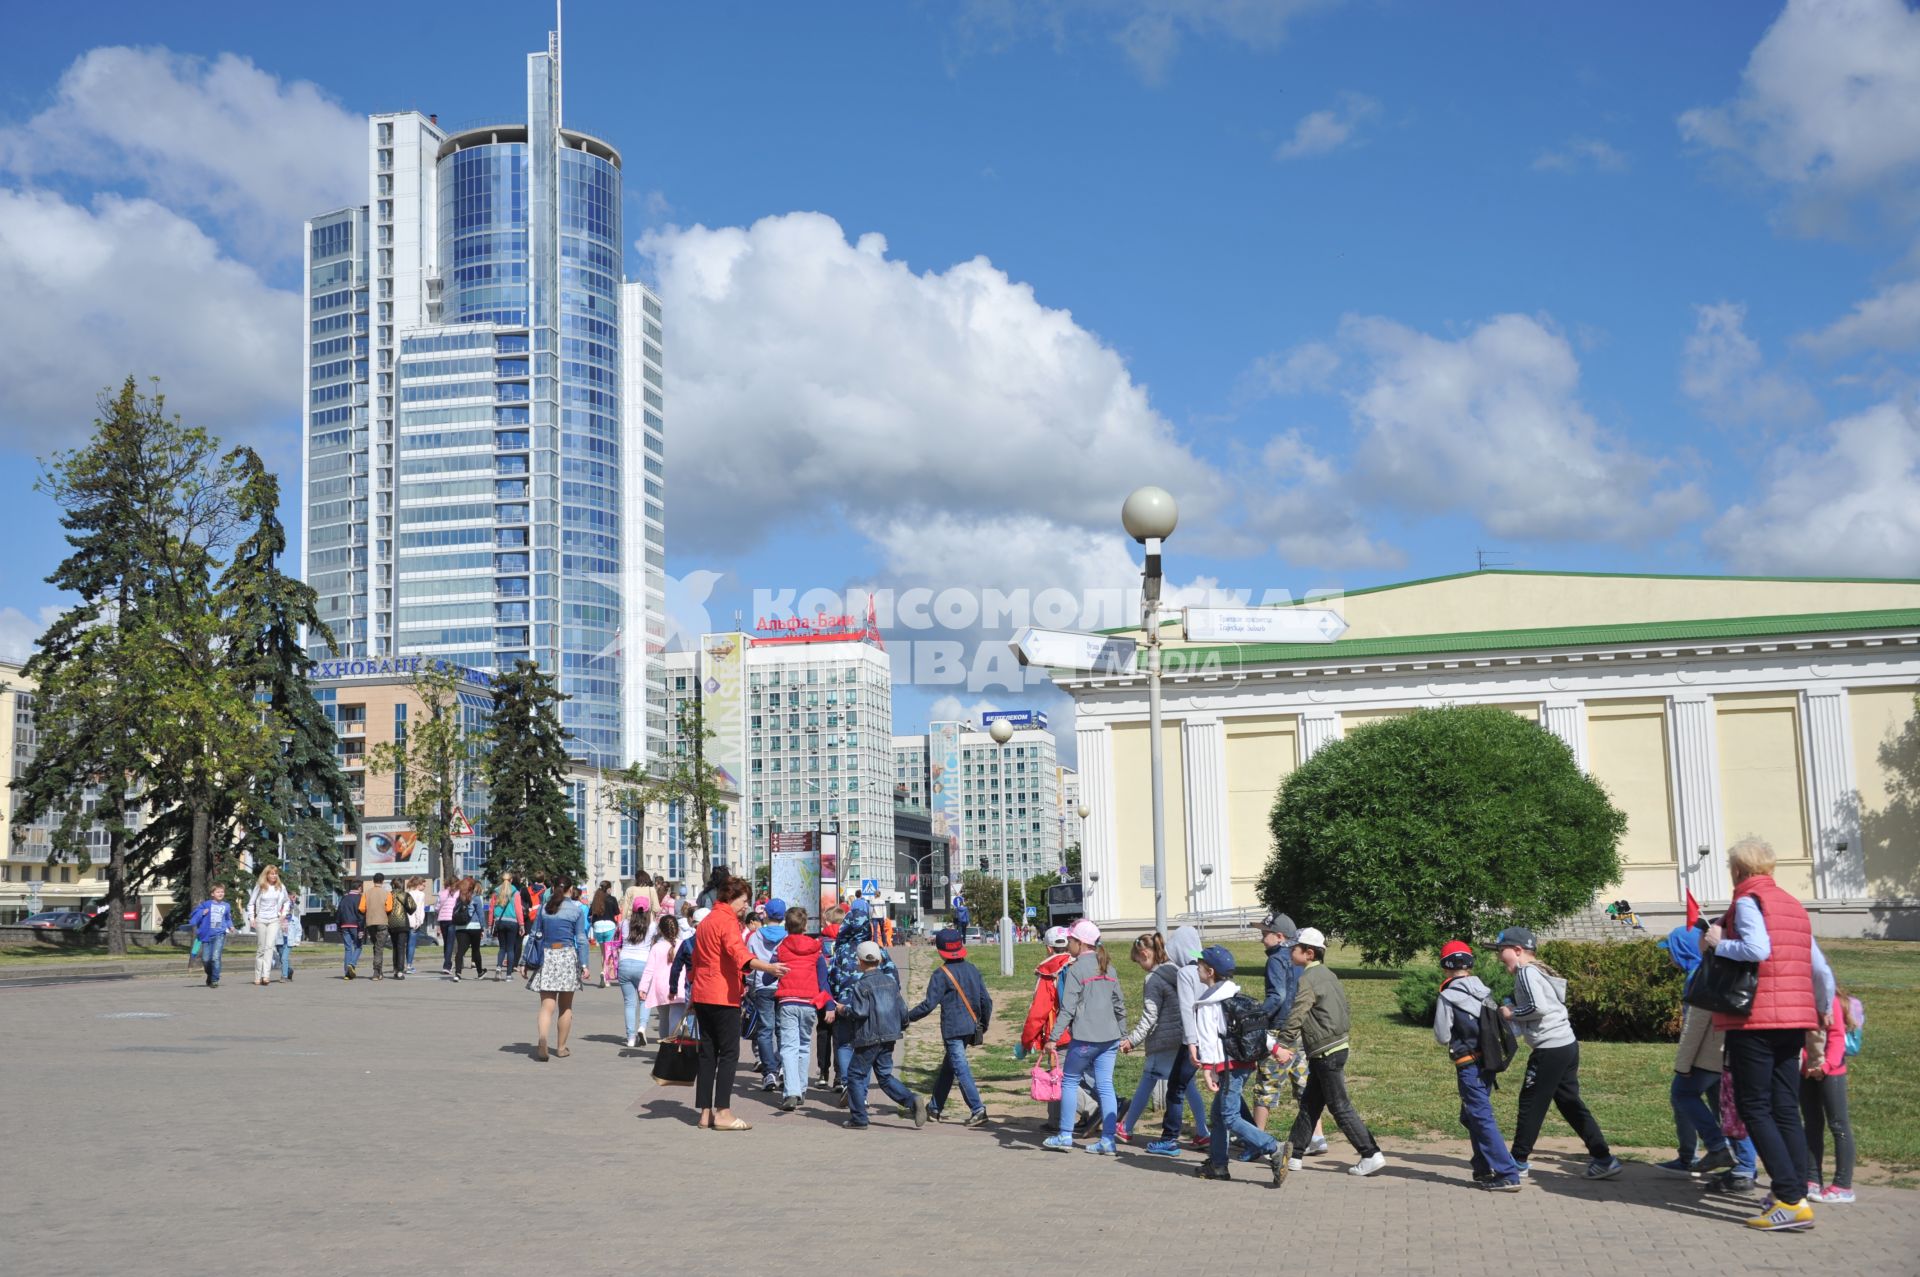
(1540, 1007)
(1183, 950)
(1159, 1027)
(1463, 994)
(1092, 1007)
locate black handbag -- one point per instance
(676, 1063)
(1725, 985)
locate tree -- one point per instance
(1071, 859)
(686, 779)
(1446, 823)
(430, 761)
(531, 831)
(763, 879)
(981, 891)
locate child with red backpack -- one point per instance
(1469, 1025)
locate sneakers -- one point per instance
(1730, 1185)
(1814, 1191)
(919, 1111)
(1316, 1146)
(1679, 1166)
(1207, 1170)
(1058, 1143)
(1368, 1165)
(1246, 1154)
(1603, 1169)
(1506, 1184)
(852, 1125)
(1712, 1162)
(1837, 1196)
(1164, 1148)
(630, 1041)
(640, 1039)
(976, 1119)
(769, 1083)
(1523, 1169)
(1294, 1163)
(456, 979)
(1783, 1218)
(1202, 1141)
(1281, 1162)
(1121, 1133)
(1484, 1178)
(789, 1104)
(1102, 1147)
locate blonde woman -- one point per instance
(268, 909)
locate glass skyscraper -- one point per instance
(484, 416)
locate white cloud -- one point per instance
(1581, 154)
(221, 137)
(1829, 102)
(1150, 32)
(1851, 507)
(1723, 372)
(1306, 509)
(812, 371)
(1889, 320)
(19, 632)
(1320, 132)
(1491, 424)
(951, 709)
(1308, 366)
(128, 287)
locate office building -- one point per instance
(483, 406)
(993, 800)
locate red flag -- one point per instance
(1693, 909)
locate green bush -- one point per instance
(1618, 992)
(1419, 989)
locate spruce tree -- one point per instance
(530, 828)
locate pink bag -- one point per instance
(1047, 1082)
(1730, 1124)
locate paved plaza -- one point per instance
(160, 1127)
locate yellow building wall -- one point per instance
(1350, 723)
(1627, 754)
(1762, 775)
(1133, 819)
(1886, 762)
(1261, 754)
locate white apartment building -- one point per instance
(1000, 800)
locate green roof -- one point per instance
(1719, 630)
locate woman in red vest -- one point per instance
(1767, 926)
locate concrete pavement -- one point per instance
(322, 1127)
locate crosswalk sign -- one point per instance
(869, 887)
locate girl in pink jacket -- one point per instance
(1823, 1105)
(653, 981)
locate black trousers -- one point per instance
(466, 940)
(399, 936)
(1553, 1078)
(719, 1054)
(1327, 1093)
(1766, 1091)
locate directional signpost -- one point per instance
(1073, 650)
(1261, 624)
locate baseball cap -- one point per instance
(950, 943)
(776, 908)
(1311, 937)
(700, 916)
(1219, 959)
(1083, 931)
(1517, 938)
(1456, 953)
(1056, 937)
(869, 952)
(1278, 923)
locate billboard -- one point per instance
(796, 880)
(723, 702)
(391, 847)
(943, 793)
(829, 871)
(1018, 717)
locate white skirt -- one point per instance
(559, 971)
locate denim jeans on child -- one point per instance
(796, 1046)
(1095, 1059)
(1172, 1067)
(874, 1062)
(628, 973)
(1694, 1120)
(1226, 1120)
(766, 1031)
(349, 948)
(210, 954)
(955, 1068)
(1490, 1154)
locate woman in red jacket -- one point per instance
(720, 964)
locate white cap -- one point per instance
(1056, 937)
(868, 951)
(699, 916)
(1311, 937)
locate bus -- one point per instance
(1065, 903)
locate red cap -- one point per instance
(1454, 949)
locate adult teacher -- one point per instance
(720, 963)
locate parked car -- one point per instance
(58, 920)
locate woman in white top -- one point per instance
(268, 908)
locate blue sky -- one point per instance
(1369, 285)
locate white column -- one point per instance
(1098, 851)
(1567, 719)
(1203, 755)
(1318, 727)
(1826, 741)
(1696, 797)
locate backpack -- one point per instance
(1498, 1045)
(462, 914)
(1243, 1037)
(1855, 1025)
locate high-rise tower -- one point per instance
(483, 483)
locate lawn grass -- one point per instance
(33, 954)
(1402, 1083)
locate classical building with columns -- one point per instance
(1711, 708)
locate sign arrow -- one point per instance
(1261, 624)
(1074, 650)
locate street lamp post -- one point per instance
(1149, 517)
(1002, 732)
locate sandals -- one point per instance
(735, 1125)
(540, 1051)
(562, 1052)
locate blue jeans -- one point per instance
(1226, 1119)
(955, 1068)
(629, 976)
(210, 954)
(877, 1061)
(283, 955)
(843, 1047)
(1096, 1058)
(413, 946)
(508, 955)
(766, 1031)
(1163, 1066)
(1693, 1118)
(796, 1021)
(1490, 1154)
(349, 948)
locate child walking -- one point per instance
(1456, 1026)
(1823, 1104)
(1538, 1010)
(1093, 1012)
(1160, 1035)
(879, 1017)
(965, 1011)
(800, 996)
(1320, 1020)
(1230, 1040)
